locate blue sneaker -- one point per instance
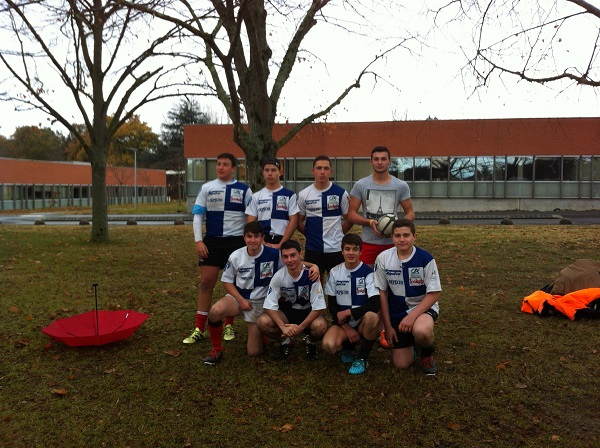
(358, 367)
(348, 356)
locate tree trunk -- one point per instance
(99, 205)
(257, 144)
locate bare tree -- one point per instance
(541, 41)
(78, 62)
(235, 47)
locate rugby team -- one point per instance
(377, 286)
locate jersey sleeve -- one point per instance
(330, 284)
(432, 278)
(301, 204)
(317, 298)
(252, 209)
(248, 197)
(229, 272)
(381, 282)
(293, 205)
(200, 204)
(273, 294)
(357, 190)
(345, 203)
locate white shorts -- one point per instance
(256, 311)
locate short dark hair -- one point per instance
(381, 149)
(270, 161)
(254, 227)
(403, 222)
(321, 157)
(228, 155)
(291, 244)
(352, 239)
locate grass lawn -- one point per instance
(505, 378)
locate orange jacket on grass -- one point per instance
(569, 304)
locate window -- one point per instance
(547, 168)
(500, 169)
(343, 169)
(570, 168)
(362, 168)
(485, 168)
(586, 168)
(304, 169)
(422, 165)
(439, 168)
(596, 168)
(402, 168)
(196, 169)
(462, 168)
(519, 168)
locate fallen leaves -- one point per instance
(59, 392)
(173, 353)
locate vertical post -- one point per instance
(135, 177)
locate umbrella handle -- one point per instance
(95, 286)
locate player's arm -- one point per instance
(230, 288)
(347, 224)
(197, 226)
(333, 307)
(390, 333)
(408, 321)
(373, 304)
(353, 215)
(289, 231)
(407, 206)
(300, 226)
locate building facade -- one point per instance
(35, 184)
(450, 165)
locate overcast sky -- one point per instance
(426, 82)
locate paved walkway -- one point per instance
(425, 218)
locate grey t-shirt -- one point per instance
(377, 200)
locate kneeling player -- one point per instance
(353, 304)
(246, 279)
(302, 304)
(409, 287)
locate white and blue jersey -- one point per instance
(407, 281)
(301, 292)
(351, 288)
(273, 208)
(251, 275)
(323, 210)
(224, 204)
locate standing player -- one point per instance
(223, 201)
(302, 304)
(275, 207)
(353, 304)
(379, 194)
(246, 279)
(409, 287)
(322, 207)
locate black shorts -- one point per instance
(325, 261)
(407, 339)
(293, 315)
(270, 239)
(219, 250)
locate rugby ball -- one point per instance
(384, 224)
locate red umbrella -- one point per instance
(95, 327)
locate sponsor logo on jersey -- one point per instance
(415, 277)
(333, 202)
(303, 292)
(282, 203)
(266, 269)
(236, 196)
(361, 286)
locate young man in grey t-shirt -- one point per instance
(379, 194)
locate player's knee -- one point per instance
(318, 327)
(329, 346)
(263, 323)
(371, 320)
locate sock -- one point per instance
(201, 317)
(215, 329)
(286, 341)
(365, 346)
(229, 320)
(347, 345)
(426, 352)
(265, 340)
